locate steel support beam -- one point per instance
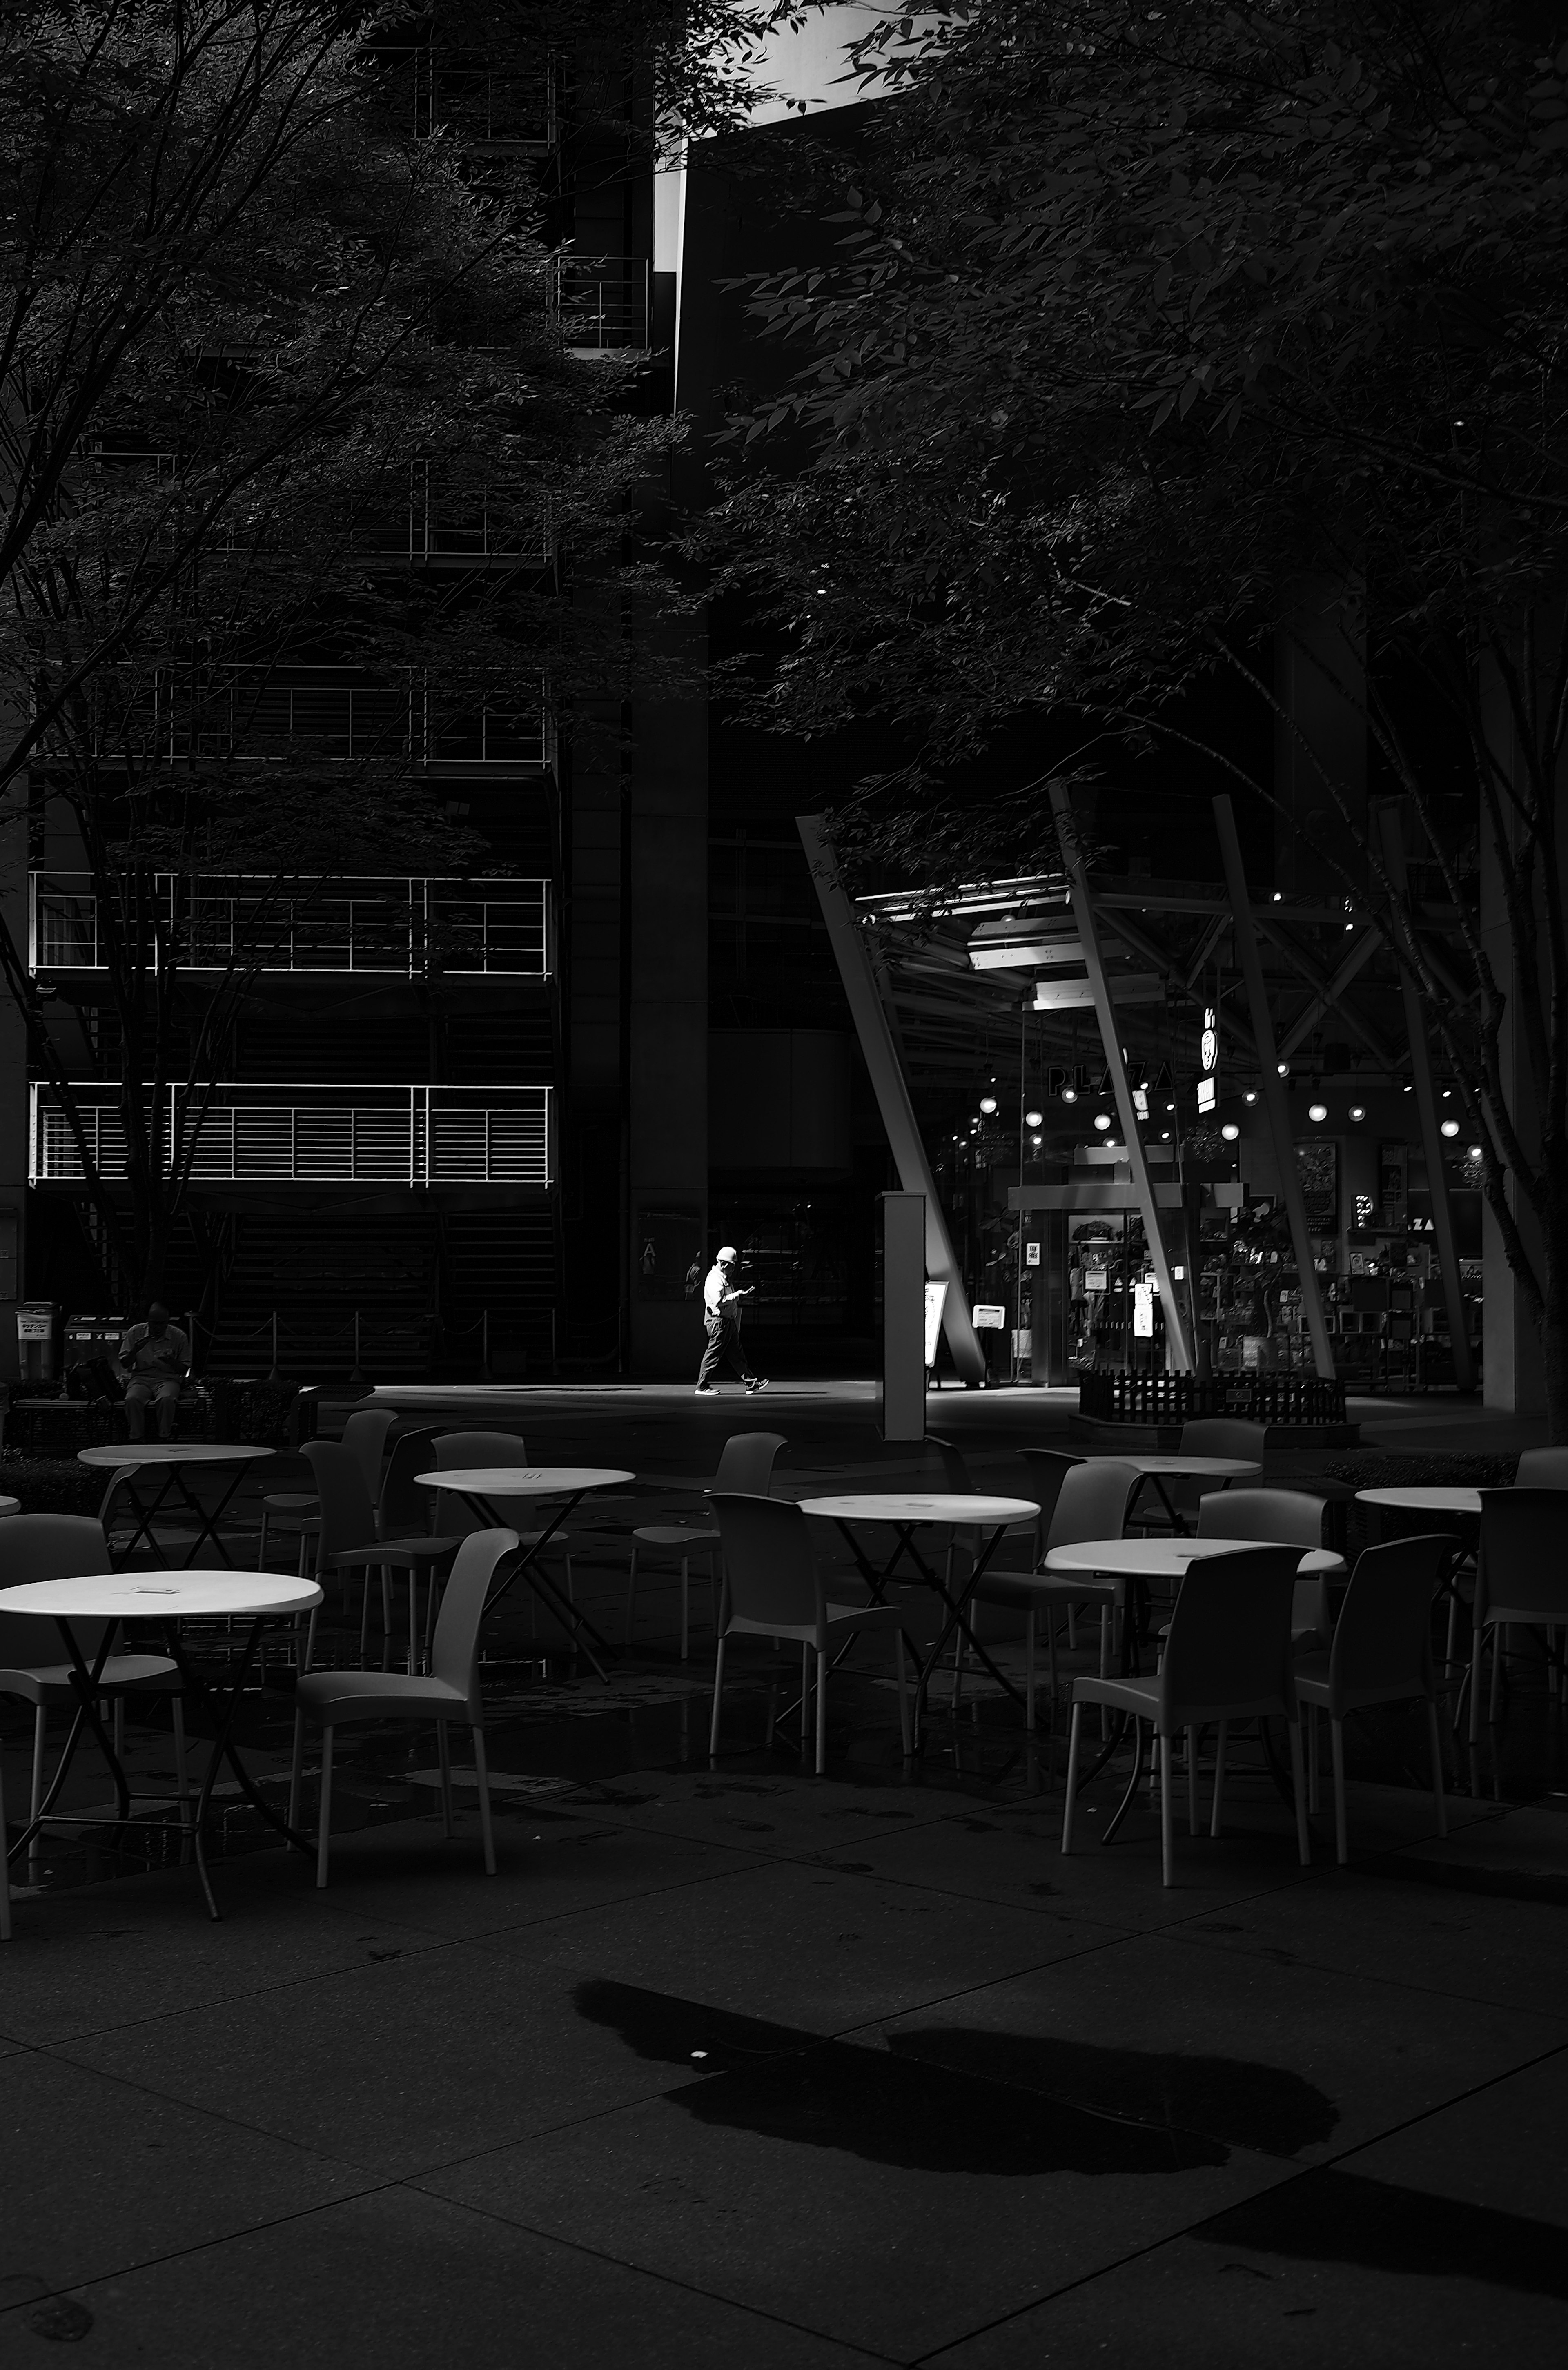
(1392, 839)
(1251, 961)
(1179, 1345)
(890, 1084)
(1327, 998)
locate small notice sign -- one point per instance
(1031, 1255)
(989, 1317)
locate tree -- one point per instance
(1146, 320)
(250, 313)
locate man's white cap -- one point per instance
(727, 1252)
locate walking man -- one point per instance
(722, 1321)
(154, 1359)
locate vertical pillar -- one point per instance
(1320, 730)
(1179, 1345)
(1392, 845)
(902, 1261)
(1269, 1085)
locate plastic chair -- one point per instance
(1048, 1468)
(403, 1507)
(1542, 1468)
(1203, 1435)
(1521, 1577)
(1381, 1654)
(450, 1692)
(773, 1588)
(1277, 1518)
(1227, 1658)
(1092, 1500)
(67, 1546)
(346, 1542)
(745, 1464)
(365, 1433)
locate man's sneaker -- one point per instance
(705, 1391)
(758, 1382)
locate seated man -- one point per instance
(154, 1359)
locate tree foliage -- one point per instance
(1146, 323)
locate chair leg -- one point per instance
(905, 1733)
(1314, 1758)
(1336, 1747)
(262, 1550)
(1436, 1741)
(1477, 1635)
(310, 1636)
(1499, 1650)
(820, 1709)
(718, 1694)
(1298, 1791)
(40, 1724)
(181, 1777)
(1191, 1781)
(1167, 1822)
(443, 1754)
(119, 1727)
(324, 1828)
(1072, 1780)
(487, 1828)
(296, 1768)
(5, 1874)
(1218, 1775)
(1029, 1672)
(386, 1618)
(686, 1607)
(413, 1619)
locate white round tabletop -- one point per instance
(1165, 1558)
(1192, 1468)
(903, 1506)
(10, 1505)
(161, 1595)
(1429, 1498)
(174, 1452)
(525, 1480)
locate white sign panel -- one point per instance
(1143, 1311)
(990, 1317)
(936, 1301)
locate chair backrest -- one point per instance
(454, 1649)
(1524, 1554)
(1383, 1636)
(454, 1451)
(745, 1463)
(47, 1547)
(1048, 1468)
(1277, 1517)
(1224, 1435)
(365, 1432)
(348, 1517)
(1092, 1502)
(404, 1506)
(957, 1480)
(770, 1568)
(1228, 1649)
(1542, 1468)
(1281, 1517)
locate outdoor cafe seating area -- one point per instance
(1129, 1816)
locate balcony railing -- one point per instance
(319, 1135)
(333, 712)
(490, 532)
(602, 301)
(482, 110)
(396, 927)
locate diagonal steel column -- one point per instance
(891, 1084)
(1178, 1345)
(1269, 1085)
(1392, 840)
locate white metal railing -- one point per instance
(407, 926)
(332, 712)
(490, 531)
(601, 302)
(316, 1135)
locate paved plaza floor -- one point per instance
(729, 2064)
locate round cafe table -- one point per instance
(1158, 1467)
(166, 1598)
(10, 1505)
(166, 1463)
(1422, 1498)
(905, 1512)
(480, 1486)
